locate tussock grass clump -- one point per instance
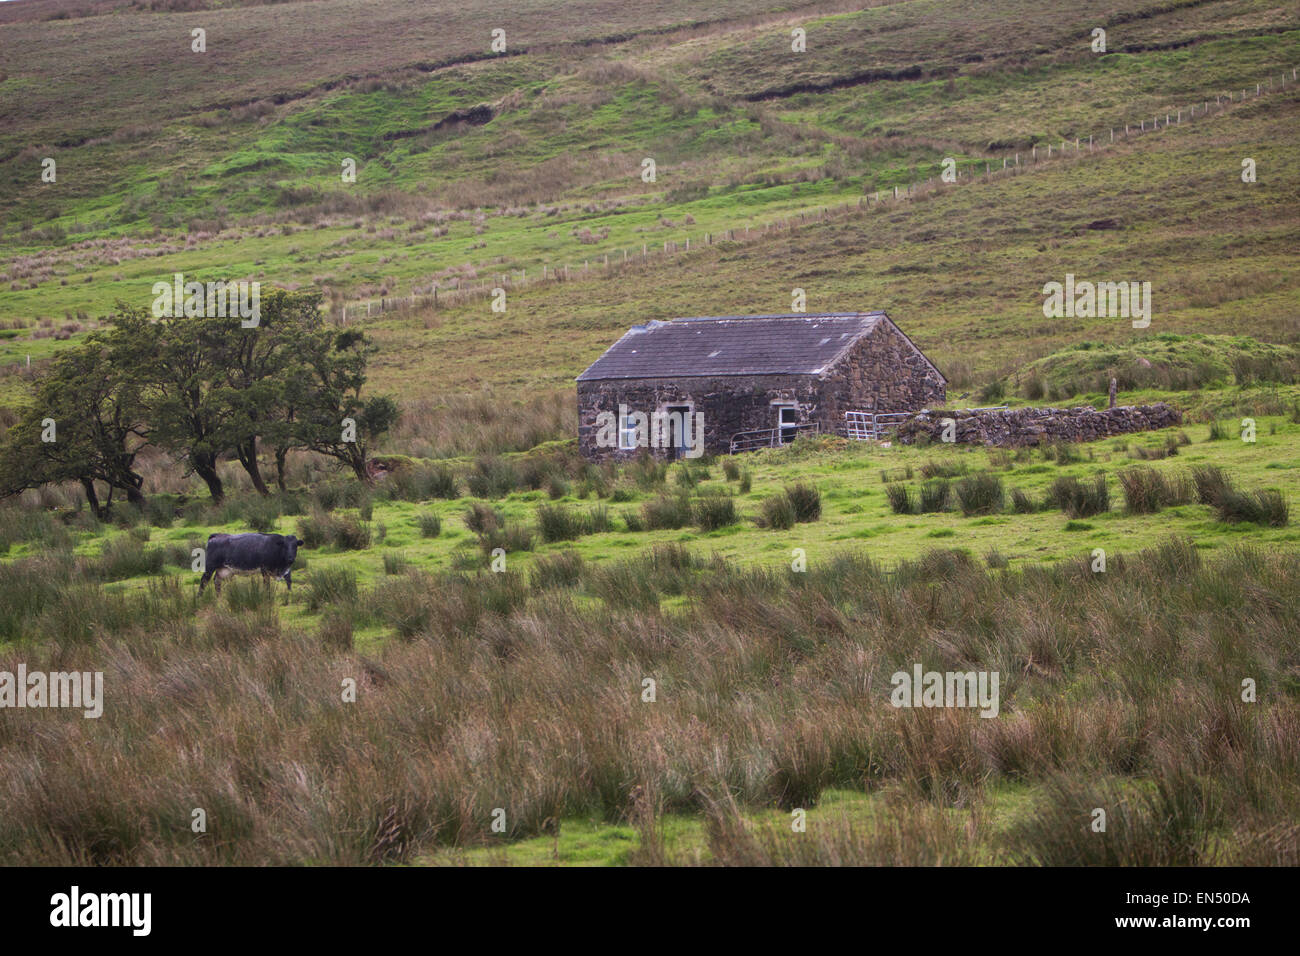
(667, 512)
(777, 512)
(561, 523)
(125, 557)
(713, 511)
(806, 500)
(746, 481)
(395, 562)
(1079, 499)
(687, 475)
(980, 494)
(19, 525)
(1147, 491)
(1060, 452)
(1211, 483)
(731, 469)
(345, 532)
(1022, 503)
(558, 487)
(481, 518)
(492, 477)
(422, 482)
(562, 570)
(1219, 431)
(795, 503)
(1266, 507)
(331, 586)
(901, 499)
(510, 537)
(334, 494)
(430, 524)
(648, 473)
(936, 496)
(942, 469)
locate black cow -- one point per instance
(272, 554)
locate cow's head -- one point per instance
(293, 543)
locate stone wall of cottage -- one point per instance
(883, 372)
(729, 403)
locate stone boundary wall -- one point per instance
(1014, 427)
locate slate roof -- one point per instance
(800, 344)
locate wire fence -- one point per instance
(457, 291)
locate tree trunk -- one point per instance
(247, 453)
(281, 460)
(357, 459)
(92, 499)
(205, 466)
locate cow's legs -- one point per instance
(203, 581)
(288, 580)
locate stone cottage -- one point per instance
(731, 383)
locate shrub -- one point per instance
(980, 494)
(1267, 507)
(806, 500)
(935, 496)
(430, 524)
(900, 499)
(633, 520)
(777, 513)
(711, 512)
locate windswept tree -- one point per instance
(324, 397)
(85, 424)
(255, 370)
(181, 385)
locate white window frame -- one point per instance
(626, 433)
